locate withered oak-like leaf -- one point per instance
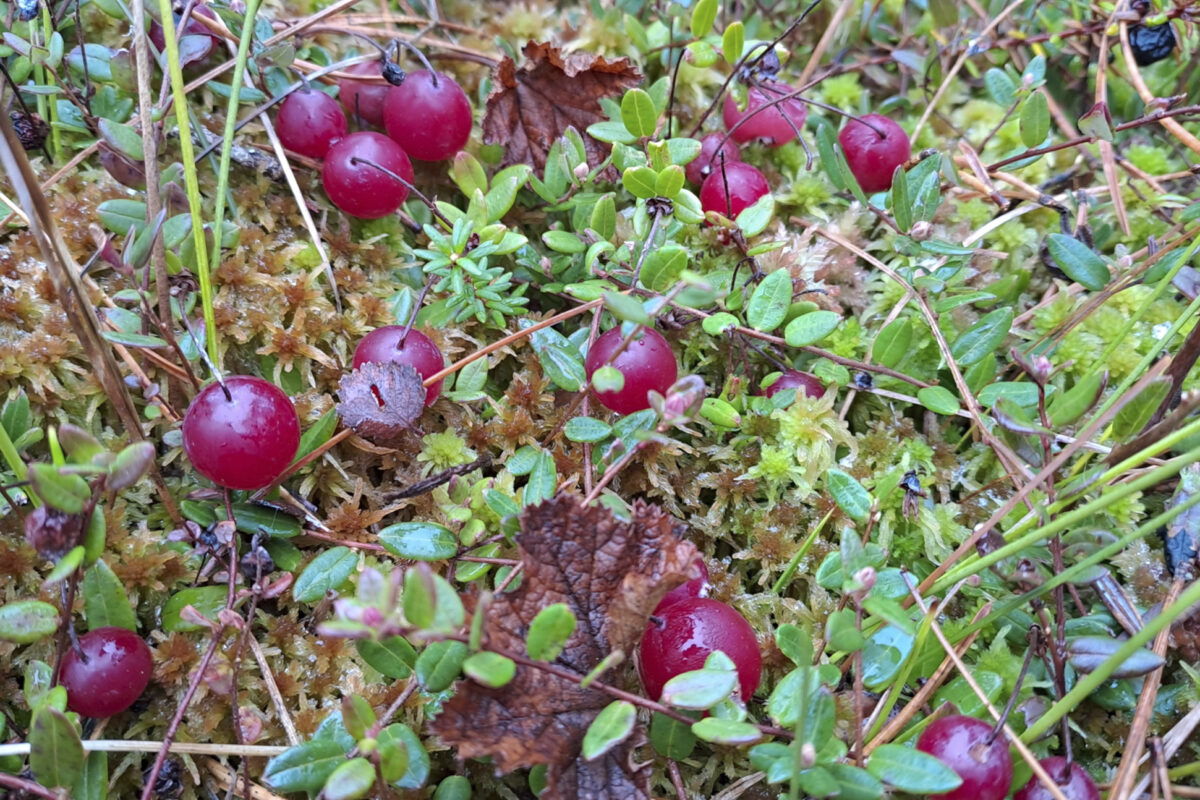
(380, 401)
(530, 107)
(611, 574)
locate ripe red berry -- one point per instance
(773, 126)
(710, 159)
(873, 158)
(362, 98)
(805, 385)
(383, 345)
(309, 122)
(244, 440)
(647, 364)
(732, 189)
(358, 188)
(112, 674)
(696, 587)
(429, 115)
(1074, 782)
(682, 634)
(965, 744)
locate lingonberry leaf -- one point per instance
(610, 575)
(531, 106)
(380, 401)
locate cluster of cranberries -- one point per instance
(366, 174)
(968, 746)
(874, 146)
(685, 628)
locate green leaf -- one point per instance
(490, 669)
(418, 597)
(305, 767)
(726, 731)
(638, 113)
(611, 726)
(453, 787)
(855, 783)
(104, 601)
(662, 267)
(1068, 406)
(398, 735)
(703, 17)
(626, 308)
(121, 138)
(1097, 122)
(207, 600)
(720, 322)
(699, 689)
(467, 173)
(133, 339)
(549, 631)
(317, 434)
(768, 305)
(440, 664)
(586, 429)
(1134, 415)
(505, 185)
(670, 737)
(357, 715)
(893, 342)
(27, 621)
(981, 339)
(67, 493)
(563, 242)
(911, 770)
(1035, 120)
(848, 493)
(325, 573)
(255, 519)
(733, 41)
(641, 182)
(754, 218)
(1078, 261)
(670, 182)
(543, 480)
(419, 541)
(350, 781)
(1000, 86)
(55, 752)
(393, 760)
(810, 328)
(938, 399)
(65, 566)
(828, 154)
(604, 217)
(794, 643)
(120, 215)
(93, 779)
(392, 657)
(129, 465)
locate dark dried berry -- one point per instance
(53, 533)
(31, 129)
(1151, 44)
(392, 73)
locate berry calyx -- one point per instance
(696, 587)
(362, 98)
(428, 115)
(805, 385)
(873, 155)
(773, 126)
(242, 434)
(358, 188)
(647, 364)
(732, 189)
(1072, 780)
(966, 745)
(681, 635)
(710, 158)
(111, 674)
(383, 345)
(309, 122)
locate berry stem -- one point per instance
(417, 192)
(420, 57)
(1036, 645)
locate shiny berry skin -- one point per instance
(309, 122)
(962, 744)
(696, 587)
(746, 185)
(431, 122)
(358, 188)
(115, 674)
(244, 441)
(804, 384)
(873, 158)
(1075, 784)
(417, 350)
(682, 635)
(647, 364)
(773, 126)
(1151, 44)
(362, 98)
(709, 159)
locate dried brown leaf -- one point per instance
(380, 401)
(611, 575)
(530, 107)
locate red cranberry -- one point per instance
(647, 364)
(1074, 782)
(773, 126)
(732, 189)
(965, 744)
(429, 115)
(872, 157)
(112, 674)
(362, 98)
(358, 188)
(805, 385)
(309, 122)
(383, 345)
(684, 633)
(710, 157)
